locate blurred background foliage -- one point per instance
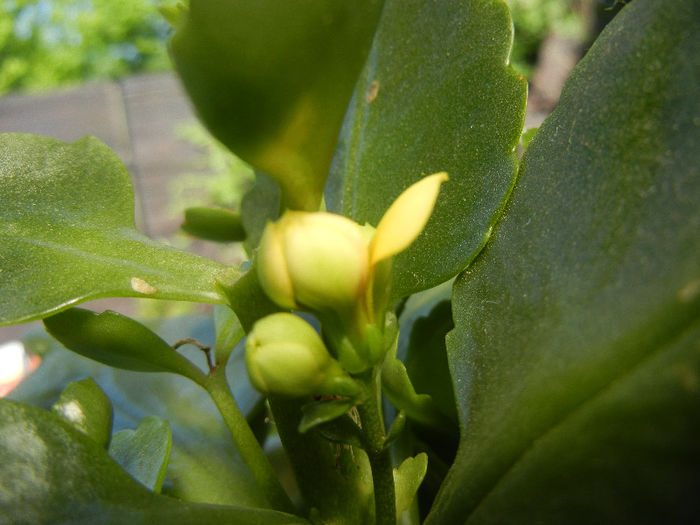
(534, 20)
(50, 43)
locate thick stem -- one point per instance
(379, 458)
(245, 441)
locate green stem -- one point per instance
(379, 457)
(244, 439)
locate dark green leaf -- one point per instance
(86, 407)
(144, 452)
(54, 474)
(426, 359)
(436, 95)
(575, 354)
(68, 234)
(334, 479)
(272, 80)
(116, 340)
(204, 466)
(214, 224)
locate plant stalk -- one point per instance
(244, 439)
(379, 458)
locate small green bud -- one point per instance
(286, 356)
(319, 261)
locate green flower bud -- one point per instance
(286, 356)
(319, 261)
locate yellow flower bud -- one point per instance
(285, 356)
(319, 261)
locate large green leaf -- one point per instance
(54, 474)
(436, 95)
(575, 353)
(272, 80)
(204, 466)
(68, 233)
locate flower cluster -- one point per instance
(340, 271)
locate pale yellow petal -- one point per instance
(405, 218)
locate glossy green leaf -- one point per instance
(436, 95)
(204, 466)
(213, 224)
(575, 353)
(272, 80)
(144, 452)
(407, 478)
(85, 407)
(68, 233)
(54, 474)
(116, 340)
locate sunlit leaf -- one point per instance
(436, 94)
(68, 234)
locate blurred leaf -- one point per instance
(247, 298)
(395, 430)
(59, 248)
(436, 94)
(272, 80)
(144, 452)
(229, 332)
(527, 137)
(118, 341)
(323, 411)
(260, 204)
(85, 407)
(407, 479)
(575, 353)
(204, 466)
(54, 474)
(214, 224)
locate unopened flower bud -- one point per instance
(319, 261)
(286, 356)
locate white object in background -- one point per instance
(14, 364)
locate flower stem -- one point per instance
(248, 447)
(379, 457)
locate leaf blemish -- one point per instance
(141, 286)
(689, 292)
(372, 91)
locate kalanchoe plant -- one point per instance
(515, 345)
